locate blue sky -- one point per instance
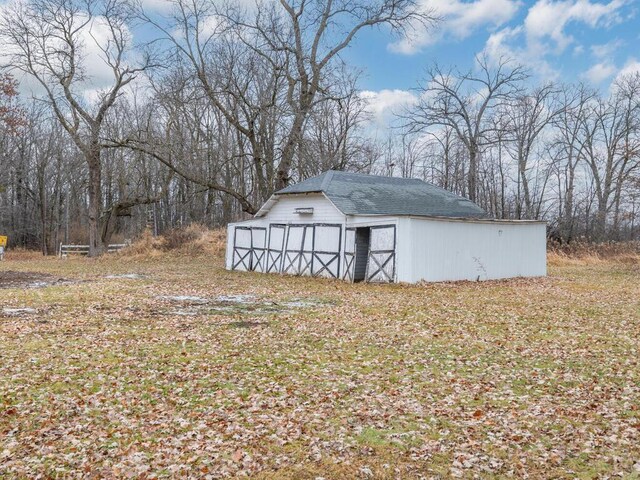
(592, 41)
(568, 41)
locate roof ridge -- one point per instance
(389, 177)
(328, 176)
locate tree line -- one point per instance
(226, 104)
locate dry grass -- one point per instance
(23, 254)
(193, 240)
(526, 378)
(586, 253)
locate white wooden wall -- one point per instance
(283, 211)
(441, 250)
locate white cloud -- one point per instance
(460, 19)
(502, 45)
(544, 34)
(599, 72)
(95, 38)
(499, 43)
(548, 19)
(630, 68)
(605, 50)
(383, 104)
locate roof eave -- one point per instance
(266, 207)
(273, 199)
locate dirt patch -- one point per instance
(247, 324)
(11, 279)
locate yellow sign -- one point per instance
(3, 241)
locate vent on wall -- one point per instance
(304, 210)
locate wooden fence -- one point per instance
(65, 250)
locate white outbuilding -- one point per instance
(371, 228)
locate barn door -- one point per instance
(326, 250)
(241, 249)
(249, 249)
(381, 265)
(349, 254)
(258, 248)
(306, 255)
(298, 251)
(276, 247)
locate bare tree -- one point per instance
(332, 134)
(611, 147)
(567, 151)
(49, 40)
(465, 102)
(291, 48)
(248, 100)
(527, 116)
(312, 34)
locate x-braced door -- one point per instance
(381, 265)
(349, 254)
(241, 249)
(258, 248)
(298, 251)
(327, 239)
(249, 249)
(276, 247)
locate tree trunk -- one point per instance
(96, 246)
(528, 207)
(473, 173)
(293, 139)
(601, 224)
(288, 152)
(567, 223)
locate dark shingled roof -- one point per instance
(359, 194)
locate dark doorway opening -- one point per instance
(362, 253)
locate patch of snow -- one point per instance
(17, 312)
(184, 298)
(300, 304)
(235, 304)
(184, 313)
(129, 276)
(236, 298)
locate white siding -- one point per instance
(231, 228)
(229, 251)
(457, 250)
(404, 260)
(354, 221)
(283, 211)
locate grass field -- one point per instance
(116, 377)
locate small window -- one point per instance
(304, 211)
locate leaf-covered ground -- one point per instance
(115, 377)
